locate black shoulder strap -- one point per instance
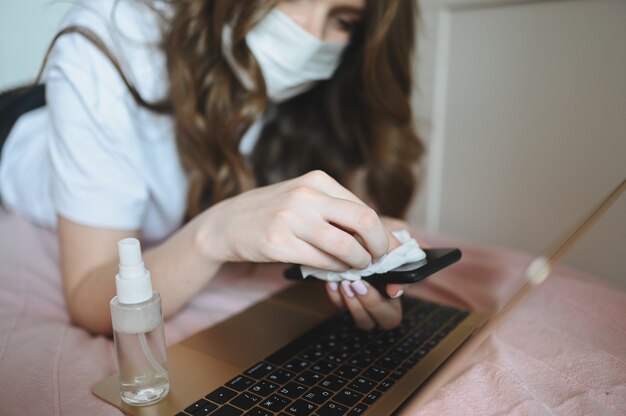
(16, 102)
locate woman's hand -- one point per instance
(368, 307)
(310, 220)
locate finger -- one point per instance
(332, 288)
(357, 219)
(325, 183)
(386, 312)
(361, 317)
(302, 252)
(395, 224)
(393, 241)
(395, 290)
(336, 243)
(347, 211)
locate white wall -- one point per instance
(525, 104)
(26, 28)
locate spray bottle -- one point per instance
(138, 330)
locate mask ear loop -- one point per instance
(227, 51)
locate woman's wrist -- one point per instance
(208, 241)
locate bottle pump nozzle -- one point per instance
(133, 281)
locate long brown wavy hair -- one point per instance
(360, 119)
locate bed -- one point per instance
(563, 352)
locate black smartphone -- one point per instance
(436, 259)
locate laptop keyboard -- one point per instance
(334, 369)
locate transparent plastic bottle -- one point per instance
(138, 330)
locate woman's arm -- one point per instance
(89, 263)
(309, 220)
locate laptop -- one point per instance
(293, 354)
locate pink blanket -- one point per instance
(563, 352)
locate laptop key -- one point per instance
(420, 353)
(332, 409)
(385, 385)
(259, 370)
(348, 397)
(388, 363)
(246, 400)
(275, 402)
(280, 376)
(401, 352)
(396, 374)
(365, 336)
(196, 406)
(338, 356)
(227, 410)
(410, 363)
(308, 378)
(292, 390)
(311, 354)
(205, 410)
(328, 343)
(318, 395)
(347, 371)
(300, 408)
(240, 383)
(372, 397)
(376, 373)
(357, 410)
(257, 411)
(333, 383)
(311, 337)
(352, 345)
(323, 367)
(221, 395)
(297, 365)
(373, 351)
(362, 384)
(361, 361)
(382, 343)
(263, 388)
(431, 344)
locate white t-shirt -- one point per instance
(92, 154)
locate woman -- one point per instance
(205, 128)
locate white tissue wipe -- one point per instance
(408, 252)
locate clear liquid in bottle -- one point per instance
(142, 366)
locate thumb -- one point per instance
(393, 241)
(395, 290)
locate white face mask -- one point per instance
(291, 59)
